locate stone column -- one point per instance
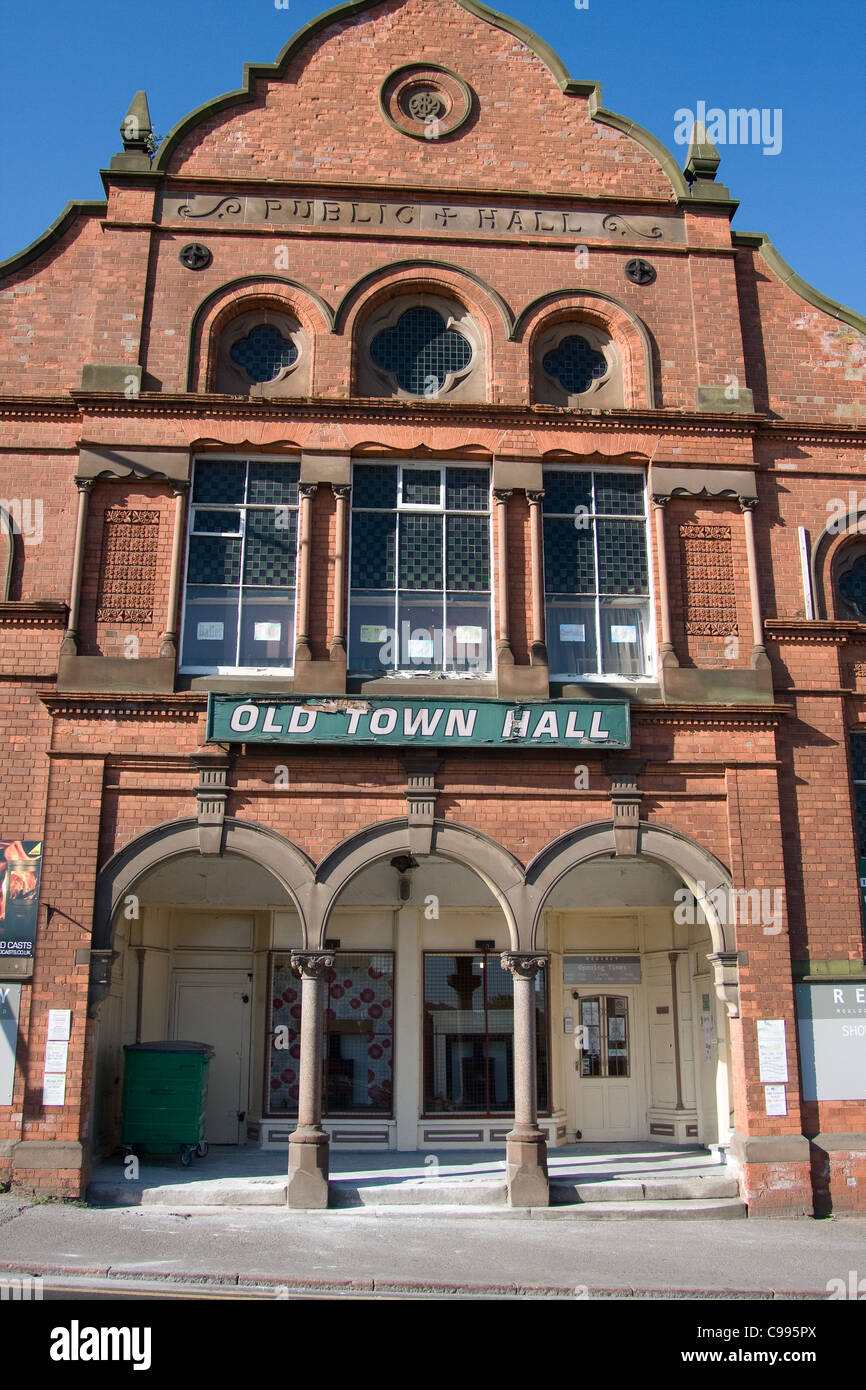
(308, 1144)
(69, 645)
(526, 1146)
(759, 652)
(503, 640)
(538, 654)
(338, 640)
(302, 592)
(168, 645)
(666, 655)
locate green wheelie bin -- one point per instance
(165, 1097)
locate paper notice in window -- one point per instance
(267, 632)
(419, 648)
(371, 633)
(54, 1088)
(623, 634)
(468, 636)
(209, 632)
(572, 632)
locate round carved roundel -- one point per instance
(425, 101)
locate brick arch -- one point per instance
(420, 277)
(494, 865)
(625, 328)
(828, 551)
(693, 864)
(238, 297)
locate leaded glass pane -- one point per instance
(420, 551)
(374, 485)
(619, 494)
(468, 552)
(273, 484)
(575, 365)
(420, 351)
(564, 492)
(852, 586)
(622, 557)
(264, 352)
(422, 487)
(858, 756)
(374, 541)
(229, 522)
(214, 560)
(860, 799)
(569, 564)
(269, 552)
(467, 489)
(220, 480)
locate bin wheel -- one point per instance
(201, 1148)
(186, 1155)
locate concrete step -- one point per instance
(689, 1187)
(225, 1192)
(456, 1192)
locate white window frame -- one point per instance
(435, 509)
(650, 674)
(242, 509)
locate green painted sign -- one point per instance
(419, 723)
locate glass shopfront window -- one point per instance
(358, 1052)
(468, 1035)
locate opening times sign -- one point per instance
(419, 723)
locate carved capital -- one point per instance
(308, 489)
(179, 487)
(535, 496)
(659, 499)
(341, 490)
(521, 964)
(502, 494)
(748, 504)
(312, 964)
(726, 978)
(84, 484)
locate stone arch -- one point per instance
(601, 311)
(701, 872)
(289, 866)
(494, 865)
(236, 297)
(416, 276)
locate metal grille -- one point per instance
(264, 352)
(420, 552)
(569, 563)
(220, 481)
(375, 485)
(575, 365)
(420, 351)
(269, 552)
(467, 489)
(622, 558)
(468, 552)
(214, 560)
(374, 550)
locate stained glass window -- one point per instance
(420, 351)
(420, 569)
(264, 352)
(575, 365)
(596, 568)
(239, 607)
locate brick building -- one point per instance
(433, 633)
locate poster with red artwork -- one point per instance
(20, 868)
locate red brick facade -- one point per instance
(742, 752)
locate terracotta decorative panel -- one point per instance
(708, 580)
(128, 571)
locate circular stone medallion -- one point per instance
(425, 101)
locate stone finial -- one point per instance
(136, 132)
(703, 159)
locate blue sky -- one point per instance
(85, 61)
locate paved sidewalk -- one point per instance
(500, 1253)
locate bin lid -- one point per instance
(169, 1047)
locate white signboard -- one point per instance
(54, 1088)
(772, 1057)
(10, 1004)
(56, 1056)
(832, 1028)
(267, 632)
(59, 1025)
(623, 634)
(209, 632)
